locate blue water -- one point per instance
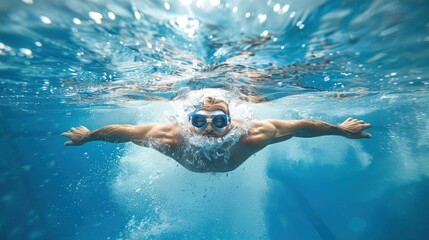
(93, 63)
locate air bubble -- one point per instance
(285, 8)
(96, 16)
(111, 15)
(276, 7)
(45, 20)
(167, 6)
(262, 18)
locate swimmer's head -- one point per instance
(212, 119)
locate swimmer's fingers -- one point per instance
(73, 143)
(69, 135)
(73, 131)
(83, 128)
(359, 135)
(76, 136)
(366, 135)
(350, 119)
(365, 126)
(66, 134)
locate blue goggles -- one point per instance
(218, 121)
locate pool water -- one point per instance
(94, 63)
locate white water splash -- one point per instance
(216, 149)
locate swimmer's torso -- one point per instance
(218, 160)
(175, 144)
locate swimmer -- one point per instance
(213, 120)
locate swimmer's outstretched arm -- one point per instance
(350, 128)
(118, 133)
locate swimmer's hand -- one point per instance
(353, 128)
(78, 136)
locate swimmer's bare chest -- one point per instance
(195, 161)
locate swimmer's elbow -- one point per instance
(281, 138)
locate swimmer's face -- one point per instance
(210, 123)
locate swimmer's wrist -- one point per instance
(344, 132)
(87, 138)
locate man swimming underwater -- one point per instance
(213, 121)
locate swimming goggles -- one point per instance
(218, 121)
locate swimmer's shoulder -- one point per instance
(167, 132)
(262, 127)
(256, 126)
(260, 134)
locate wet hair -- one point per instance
(212, 104)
